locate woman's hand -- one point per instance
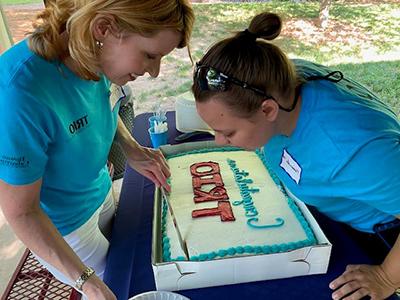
(359, 281)
(151, 164)
(148, 162)
(95, 289)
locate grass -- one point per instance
(18, 2)
(381, 77)
(362, 40)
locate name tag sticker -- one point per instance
(291, 167)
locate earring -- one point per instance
(99, 44)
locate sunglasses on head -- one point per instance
(210, 79)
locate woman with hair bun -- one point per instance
(58, 125)
(332, 143)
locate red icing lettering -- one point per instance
(215, 194)
(216, 179)
(213, 165)
(224, 210)
(210, 175)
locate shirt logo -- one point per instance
(14, 161)
(78, 124)
(291, 167)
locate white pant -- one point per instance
(89, 241)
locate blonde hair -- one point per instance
(249, 57)
(76, 17)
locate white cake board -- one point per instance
(182, 275)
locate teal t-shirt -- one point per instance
(344, 154)
(58, 127)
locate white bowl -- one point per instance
(159, 295)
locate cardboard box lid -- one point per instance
(179, 275)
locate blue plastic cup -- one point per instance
(158, 139)
(158, 119)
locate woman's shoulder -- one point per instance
(328, 85)
(348, 102)
(19, 66)
(21, 82)
(347, 119)
(13, 60)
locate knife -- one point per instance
(181, 240)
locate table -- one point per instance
(129, 271)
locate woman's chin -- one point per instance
(251, 147)
(245, 147)
(120, 81)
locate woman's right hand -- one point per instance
(95, 289)
(150, 163)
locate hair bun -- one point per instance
(247, 35)
(266, 26)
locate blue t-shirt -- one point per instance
(58, 127)
(344, 154)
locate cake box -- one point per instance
(182, 275)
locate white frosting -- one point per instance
(207, 234)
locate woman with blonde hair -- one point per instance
(332, 143)
(58, 125)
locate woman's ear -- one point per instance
(102, 26)
(270, 109)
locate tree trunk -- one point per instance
(5, 36)
(324, 13)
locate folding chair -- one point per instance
(32, 281)
(126, 112)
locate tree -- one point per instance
(5, 36)
(324, 13)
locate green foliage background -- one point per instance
(362, 40)
(368, 51)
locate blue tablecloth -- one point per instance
(129, 271)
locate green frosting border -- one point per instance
(262, 249)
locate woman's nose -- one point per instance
(154, 68)
(220, 139)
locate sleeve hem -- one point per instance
(20, 180)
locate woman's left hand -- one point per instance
(151, 164)
(359, 281)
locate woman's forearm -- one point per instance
(38, 233)
(124, 138)
(391, 265)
